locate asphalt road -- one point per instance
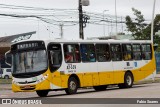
(138, 91)
(149, 90)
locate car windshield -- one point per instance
(31, 61)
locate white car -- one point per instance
(5, 73)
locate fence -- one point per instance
(157, 56)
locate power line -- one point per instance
(29, 8)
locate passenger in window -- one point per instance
(84, 53)
(92, 57)
(127, 56)
(77, 55)
(143, 56)
(148, 56)
(107, 56)
(68, 58)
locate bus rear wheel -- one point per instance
(72, 86)
(128, 81)
(100, 88)
(42, 93)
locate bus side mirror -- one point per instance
(155, 47)
(8, 58)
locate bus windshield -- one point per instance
(29, 61)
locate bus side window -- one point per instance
(102, 51)
(137, 55)
(88, 52)
(71, 53)
(116, 52)
(127, 52)
(146, 51)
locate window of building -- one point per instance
(71, 53)
(116, 52)
(146, 52)
(88, 53)
(137, 52)
(103, 53)
(127, 52)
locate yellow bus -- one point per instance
(51, 65)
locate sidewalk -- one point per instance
(157, 76)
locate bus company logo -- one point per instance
(6, 101)
(21, 101)
(135, 64)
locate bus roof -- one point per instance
(88, 41)
(97, 41)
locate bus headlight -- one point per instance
(46, 76)
(14, 82)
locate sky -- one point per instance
(11, 26)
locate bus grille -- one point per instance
(26, 82)
(27, 87)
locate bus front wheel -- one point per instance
(128, 81)
(72, 86)
(42, 93)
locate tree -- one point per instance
(156, 26)
(137, 27)
(140, 30)
(156, 37)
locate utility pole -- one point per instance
(152, 25)
(122, 24)
(81, 34)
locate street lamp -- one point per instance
(152, 26)
(104, 22)
(81, 3)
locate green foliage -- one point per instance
(156, 29)
(136, 26)
(142, 31)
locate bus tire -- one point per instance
(100, 88)
(42, 93)
(72, 86)
(128, 81)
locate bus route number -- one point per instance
(71, 68)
